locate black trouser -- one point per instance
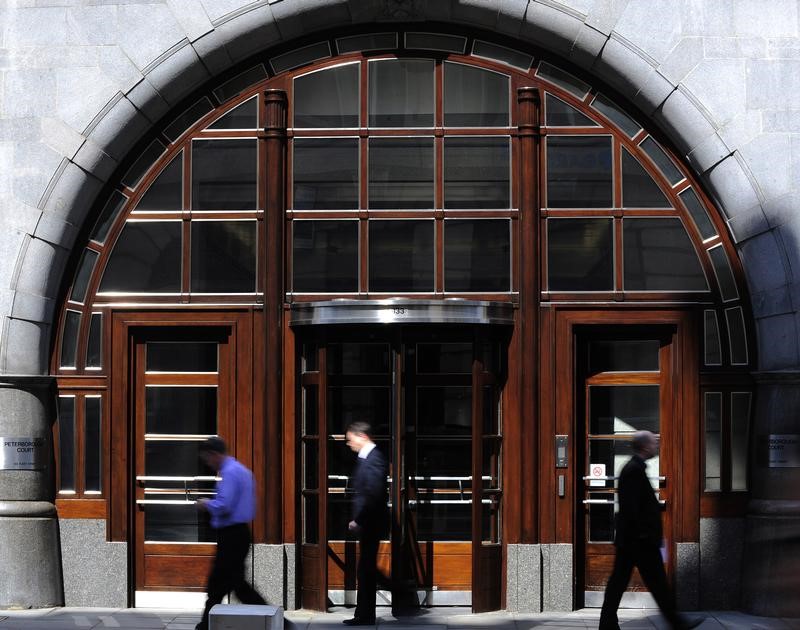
(227, 573)
(647, 558)
(367, 575)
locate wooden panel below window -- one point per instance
(188, 572)
(81, 508)
(598, 570)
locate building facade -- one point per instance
(508, 234)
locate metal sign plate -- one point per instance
(22, 453)
(783, 450)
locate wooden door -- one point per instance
(625, 385)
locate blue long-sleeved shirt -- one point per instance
(236, 499)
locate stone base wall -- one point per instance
(721, 549)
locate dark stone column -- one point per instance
(770, 578)
(29, 551)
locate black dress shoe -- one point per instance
(359, 621)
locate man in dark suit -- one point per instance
(639, 538)
(369, 517)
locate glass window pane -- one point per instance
(444, 521)
(370, 41)
(614, 454)
(224, 174)
(311, 519)
(737, 334)
(325, 256)
(166, 192)
(436, 41)
(143, 163)
(443, 457)
(310, 410)
(108, 216)
(310, 465)
(174, 458)
(181, 356)
(244, 116)
(69, 342)
(181, 410)
(444, 411)
(477, 255)
(348, 404)
(83, 276)
(662, 160)
(713, 351)
(400, 173)
(623, 409)
(178, 522)
(474, 97)
(401, 93)
(358, 358)
(740, 432)
(185, 119)
(659, 256)
(616, 115)
(580, 255)
(491, 527)
(561, 114)
(638, 188)
(146, 258)
(223, 256)
(238, 84)
(66, 443)
(444, 358)
(601, 517)
(713, 435)
(624, 355)
(562, 79)
(722, 269)
(476, 173)
(698, 213)
(300, 56)
(502, 54)
(340, 105)
(325, 173)
(93, 446)
(579, 172)
(94, 348)
(401, 256)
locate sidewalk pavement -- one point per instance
(435, 619)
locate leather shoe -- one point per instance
(359, 621)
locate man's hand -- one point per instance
(354, 527)
(201, 505)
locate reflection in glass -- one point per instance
(339, 514)
(349, 404)
(713, 351)
(369, 41)
(69, 342)
(477, 255)
(601, 517)
(179, 522)
(224, 174)
(561, 114)
(477, 172)
(400, 173)
(614, 454)
(325, 173)
(146, 259)
(181, 356)
(491, 463)
(579, 172)
(239, 83)
(142, 163)
(93, 446)
(94, 346)
(662, 160)
(713, 435)
(108, 216)
(66, 443)
(436, 41)
(580, 255)
(340, 105)
(624, 355)
(166, 192)
(174, 458)
(638, 188)
(474, 97)
(300, 56)
(623, 409)
(740, 432)
(223, 257)
(659, 256)
(698, 213)
(490, 519)
(616, 115)
(722, 269)
(181, 410)
(401, 93)
(558, 77)
(509, 56)
(444, 410)
(444, 358)
(358, 358)
(737, 335)
(444, 522)
(81, 283)
(244, 116)
(401, 256)
(445, 458)
(325, 256)
(189, 116)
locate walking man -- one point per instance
(231, 512)
(638, 539)
(369, 517)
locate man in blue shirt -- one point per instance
(231, 511)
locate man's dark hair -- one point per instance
(359, 426)
(214, 444)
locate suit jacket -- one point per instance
(369, 484)
(639, 517)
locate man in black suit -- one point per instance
(369, 518)
(639, 538)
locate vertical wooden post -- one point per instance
(529, 105)
(275, 133)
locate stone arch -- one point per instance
(589, 41)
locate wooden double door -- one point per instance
(433, 400)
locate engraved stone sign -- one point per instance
(22, 453)
(783, 451)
